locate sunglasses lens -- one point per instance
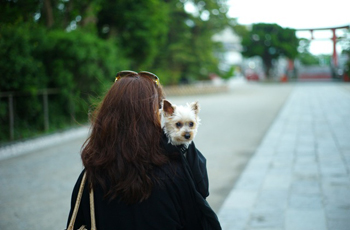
(129, 72)
(151, 75)
(124, 74)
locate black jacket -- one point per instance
(177, 202)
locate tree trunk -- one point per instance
(267, 72)
(67, 14)
(268, 67)
(48, 13)
(89, 16)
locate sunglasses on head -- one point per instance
(126, 73)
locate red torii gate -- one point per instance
(334, 39)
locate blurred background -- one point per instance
(59, 56)
(240, 59)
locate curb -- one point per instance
(198, 89)
(20, 148)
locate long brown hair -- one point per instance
(124, 145)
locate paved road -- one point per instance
(35, 188)
(299, 177)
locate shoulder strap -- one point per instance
(77, 204)
(92, 210)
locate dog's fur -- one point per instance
(179, 122)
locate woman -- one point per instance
(139, 180)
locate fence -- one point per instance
(12, 96)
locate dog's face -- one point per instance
(180, 122)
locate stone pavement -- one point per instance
(299, 177)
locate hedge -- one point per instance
(78, 65)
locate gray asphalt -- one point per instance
(35, 188)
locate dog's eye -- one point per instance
(178, 124)
(191, 124)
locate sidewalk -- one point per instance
(299, 177)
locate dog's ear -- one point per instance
(195, 107)
(168, 108)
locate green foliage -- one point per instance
(325, 59)
(81, 64)
(230, 73)
(22, 72)
(305, 57)
(78, 64)
(346, 50)
(15, 12)
(20, 65)
(76, 47)
(163, 37)
(139, 26)
(188, 52)
(270, 41)
(308, 59)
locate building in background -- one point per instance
(250, 68)
(231, 57)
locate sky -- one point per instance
(297, 14)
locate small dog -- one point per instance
(179, 122)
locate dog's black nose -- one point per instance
(187, 136)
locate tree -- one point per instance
(154, 34)
(139, 26)
(189, 51)
(53, 14)
(345, 44)
(305, 57)
(209, 18)
(76, 47)
(270, 41)
(164, 36)
(12, 11)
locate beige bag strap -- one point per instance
(77, 204)
(92, 210)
